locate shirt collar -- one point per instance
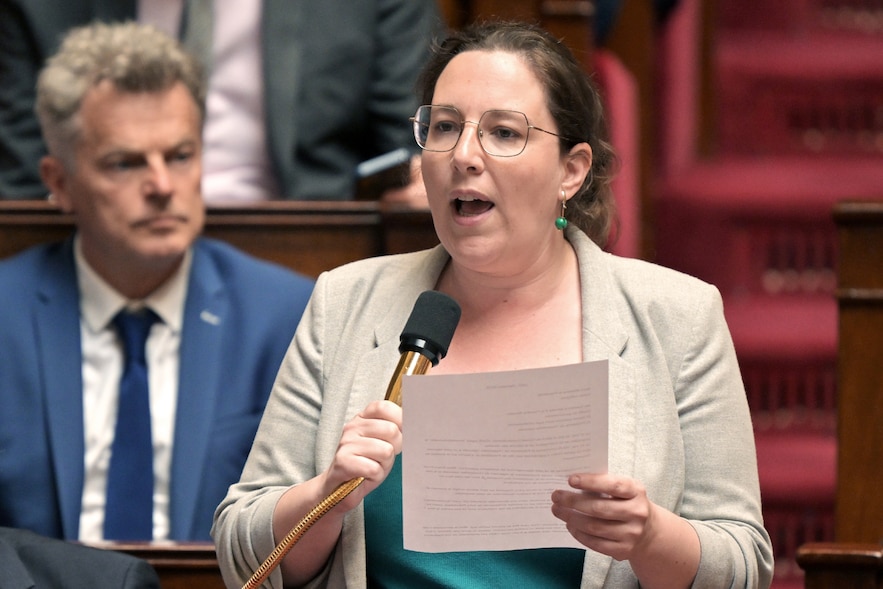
(100, 302)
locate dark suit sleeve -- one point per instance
(30, 560)
(21, 144)
(15, 574)
(405, 29)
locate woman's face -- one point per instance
(497, 214)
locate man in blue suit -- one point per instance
(121, 109)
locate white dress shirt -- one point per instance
(236, 163)
(103, 359)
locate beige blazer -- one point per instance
(679, 420)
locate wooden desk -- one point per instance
(309, 237)
(180, 565)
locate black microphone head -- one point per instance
(431, 326)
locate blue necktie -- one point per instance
(128, 513)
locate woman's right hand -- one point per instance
(367, 448)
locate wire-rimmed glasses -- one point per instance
(501, 133)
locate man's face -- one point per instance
(135, 184)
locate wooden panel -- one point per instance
(407, 230)
(570, 20)
(525, 10)
(859, 504)
(856, 559)
(860, 226)
(179, 565)
(27, 223)
(309, 237)
(453, 12)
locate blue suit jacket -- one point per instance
(239, 317)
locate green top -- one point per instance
(390, 566)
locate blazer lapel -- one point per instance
(604, 338)
(374, 370)
(57, 321)
(205, 311)
(374, 367)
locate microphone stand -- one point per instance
(410, 362)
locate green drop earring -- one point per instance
(561, 222)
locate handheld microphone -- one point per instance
(424, 341)
(425, 338)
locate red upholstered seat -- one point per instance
(760, 225)
(800, 95)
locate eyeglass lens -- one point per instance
(500, 132)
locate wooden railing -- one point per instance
(309, 237)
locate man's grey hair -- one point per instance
(135, 58)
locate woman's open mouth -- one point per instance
(471, 207)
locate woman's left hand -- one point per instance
(609, 514)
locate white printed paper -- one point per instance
(482, 454)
